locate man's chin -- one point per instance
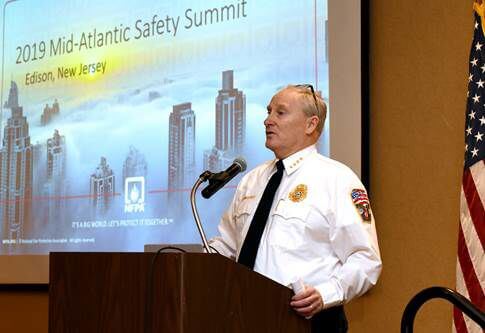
(269, 144)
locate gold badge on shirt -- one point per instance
(299, 193)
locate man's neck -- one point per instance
(294, 151)
(288, 154)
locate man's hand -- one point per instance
(308, 302)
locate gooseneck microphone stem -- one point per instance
(203, 177)
(216, 182)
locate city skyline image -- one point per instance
(105, 159)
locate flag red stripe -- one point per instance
(471, 281)
(475, 206)
(459, 321)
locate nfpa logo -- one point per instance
(134, 194)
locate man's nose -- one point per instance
(269, 120)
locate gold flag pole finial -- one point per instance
(479, 8)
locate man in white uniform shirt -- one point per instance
(318, 228)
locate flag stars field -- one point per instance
(478, 136)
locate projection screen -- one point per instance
(111, 111)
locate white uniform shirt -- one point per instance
(314, 231)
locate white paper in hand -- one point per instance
(298, 286)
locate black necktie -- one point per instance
(249, 250)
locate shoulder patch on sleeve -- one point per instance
(361, 203)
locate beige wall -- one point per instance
(419, 54)
(418, 77)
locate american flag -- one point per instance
(470, 272)
(359, 197)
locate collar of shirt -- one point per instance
(294, 161)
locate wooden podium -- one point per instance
(191, 292)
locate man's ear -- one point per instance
(311, 124)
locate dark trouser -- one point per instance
(331, 320)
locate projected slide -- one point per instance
(111, 111)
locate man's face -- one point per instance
(286, 124)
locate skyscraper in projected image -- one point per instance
(230, 125)
(15, 171)
(181, 155)
(134, 165)
(102, 188)
(56, 177)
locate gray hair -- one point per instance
(310, 108)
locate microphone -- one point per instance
(218, 180)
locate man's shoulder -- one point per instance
(326, 166)
(330, 175)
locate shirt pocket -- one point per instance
(241, 217)
(288, 227)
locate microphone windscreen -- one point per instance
(241, 162)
